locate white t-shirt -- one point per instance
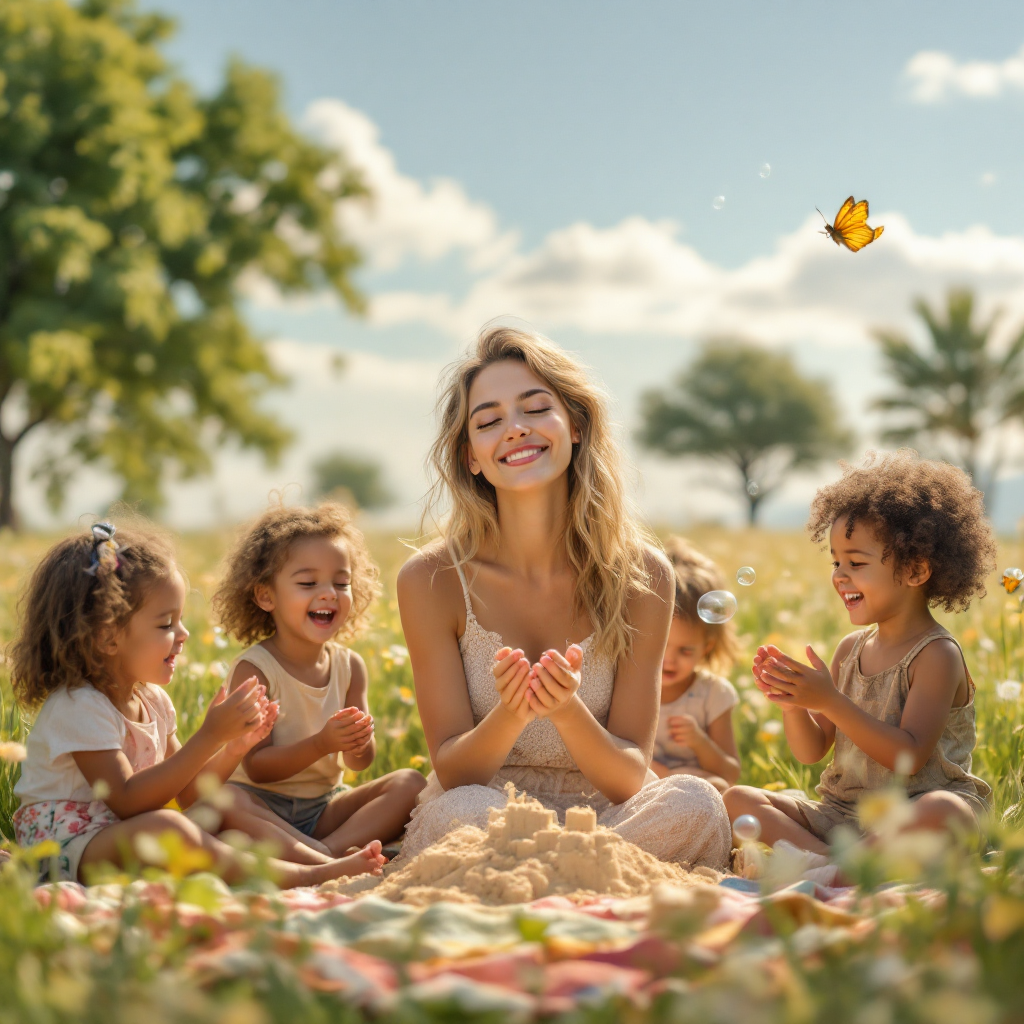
(707, 698)
(84, 719)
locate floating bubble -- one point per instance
(7, 180)
(716, 607)
(747, 828)
(718, 202)
(745, 576)
(1012, 579)
(765, 170)
(753, 488)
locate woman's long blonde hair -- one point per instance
(603, 542)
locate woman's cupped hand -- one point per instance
(542, 690)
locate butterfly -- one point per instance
(1012, 579)
(851, 226)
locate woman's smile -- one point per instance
(523, 454)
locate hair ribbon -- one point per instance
(104, 548)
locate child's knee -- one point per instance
(941, 810)
(740, 799)
(407, 781)
(166, 820)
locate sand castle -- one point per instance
(524, 855)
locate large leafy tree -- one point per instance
(748, 408)
(954, 394)
(131, 210)
(354, 477)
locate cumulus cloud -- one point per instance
(638, 277)
(935, 76)
(404, 217)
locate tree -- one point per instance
(953, 395)
(132, 212)
(749, 408)
(361, 478)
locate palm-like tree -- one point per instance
(954, 396)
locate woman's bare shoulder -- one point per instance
(659, 571)
(429, 572)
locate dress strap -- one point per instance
(465, 588)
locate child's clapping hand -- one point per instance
(347, 731)
(685, 730)
(232, 715)
(789, 683)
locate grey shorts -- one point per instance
(301, 812)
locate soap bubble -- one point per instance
(747, 828)
(716, 607)
(718, 202)
(1012, 579)
(753, 488)
(745, 576)
(765, 170)
(7, 180)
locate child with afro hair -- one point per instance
(906, 535)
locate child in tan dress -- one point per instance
(906, 535)
(695, 734)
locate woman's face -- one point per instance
(520, 435)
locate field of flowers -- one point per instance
(947, 949)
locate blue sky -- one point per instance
(558, 162)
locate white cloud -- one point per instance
(935, 76)
(405, 217)
(639, 278)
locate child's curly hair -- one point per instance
(262, 549)
(81, 593)
(922, 511)
(695, 575)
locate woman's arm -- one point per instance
(429, 596)
(131, 793)
(615, 759)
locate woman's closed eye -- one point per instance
(489, 423)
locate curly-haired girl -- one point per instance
(695, 734)
(906, 535)
(101, 628)
(298, 578)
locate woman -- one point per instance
(536, 626)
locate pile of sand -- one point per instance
(523, 855)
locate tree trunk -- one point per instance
(7, 516)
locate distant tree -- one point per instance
(361, 478)
(752, 409)
(954, 393)
(130, 208)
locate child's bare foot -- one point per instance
(369, 860)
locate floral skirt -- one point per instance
(71, 824)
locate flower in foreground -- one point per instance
(12, 751)
(1008, 689)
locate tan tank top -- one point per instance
(883, 695)
(304, 711)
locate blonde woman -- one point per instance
(536, 625)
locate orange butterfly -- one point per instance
(851, 226)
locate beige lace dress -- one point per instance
(681, 818)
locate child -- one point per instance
(297, 579)
(101, 629)
(906, 534)
(695, 734)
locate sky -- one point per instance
(560, 163)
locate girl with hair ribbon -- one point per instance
(536, 625)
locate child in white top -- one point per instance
(695, 734)
(297, 579)
(101, 629)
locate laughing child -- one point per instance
(906, 535)
(297, 580)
